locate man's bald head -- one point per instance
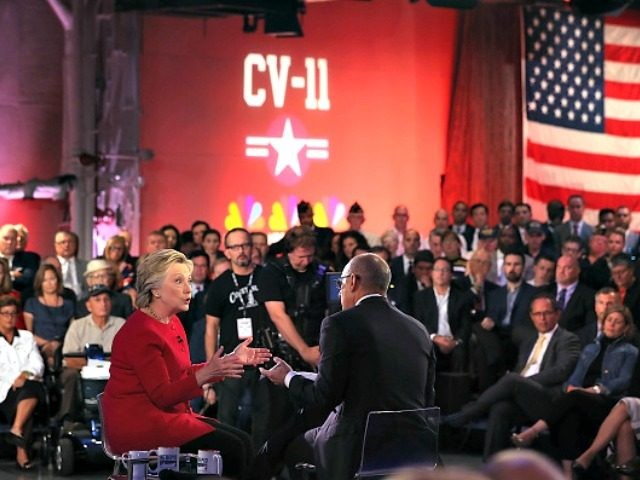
(373, 272)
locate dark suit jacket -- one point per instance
(579, 310)
(374, 357)
(29, 262)
(632, 301)
(558, 362)
(497, 306)
(459, 309)
(563, 231)
(467, 234)
(399, 293)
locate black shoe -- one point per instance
(455, 420)
(16, 440)
(579, 472)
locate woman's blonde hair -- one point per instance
(626, 314)
(151, 272)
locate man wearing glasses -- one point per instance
(234, 314)
(373, 357)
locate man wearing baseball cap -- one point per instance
(101, 272)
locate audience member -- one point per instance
(99, 327)
(260, 242)
(102, 272)
(211, 241)
(623, 221)
(544, 269)
(624, 278)
(197, 231)
(155, 241)
(6, 288)
(400, 225)
(22, 268)
(356, 218)
(116, 252)
(460, 212)
(66, 248)
(521, 220)
(505, 213)
(445, 311)
(602, 375)
(546, 358)
(452, 251)
(480, 220)
(20, 386)
(522, 465)
(48, 314)
(172, 234)
(576, 225)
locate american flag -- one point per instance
(582, 103)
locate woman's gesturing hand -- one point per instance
(251, 356)
(220, 366)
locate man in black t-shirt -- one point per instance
(234, 314)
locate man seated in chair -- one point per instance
(99, 327)
(373, 357)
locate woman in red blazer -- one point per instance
(146, 401)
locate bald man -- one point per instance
(373, 358)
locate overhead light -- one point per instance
(281, 18)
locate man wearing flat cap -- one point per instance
(98, 327)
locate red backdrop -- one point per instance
(224, 115)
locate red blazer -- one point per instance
(146, 400)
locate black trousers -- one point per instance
(234, 445)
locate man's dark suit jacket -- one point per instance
(458, 310)
(497, 307)
(374, 357)
(579, 310)
(399, 292)
(632, 301)
(29, 262)
(558, 362)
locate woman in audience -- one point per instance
(116, 252)
(173, 236)
(48, 313)
(146, 401)
(211, 245)
(6, 288)
(20, 369)
(622, 423)
(603, 375)
(349, 242)
(390, 241)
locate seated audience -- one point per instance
(48, 313)
(21, 369)
(603, 374)
(545, 360)
(624, 278)
(544, 267)
(71, 267)
(22, 267)
(98, 327)
(117, 253)
(101, 272)
(445, 310)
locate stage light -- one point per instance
(281, 18)
(462, 4)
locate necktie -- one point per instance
(575, 229)
(68, 277)
(410, 269)
(535, 355)
(562, 297)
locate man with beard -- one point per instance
(234, 314)
(506, 323)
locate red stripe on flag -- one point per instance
(622, 128)
(620, 53)
(622, 91)
(629, 18)
(595, 200)
(585, 161)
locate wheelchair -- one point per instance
(81, 440)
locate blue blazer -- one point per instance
(618, 364)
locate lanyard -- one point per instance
(248, 286)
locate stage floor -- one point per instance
(8, 470)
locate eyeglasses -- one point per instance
(240, 246)
(340, 281)
(9, 314)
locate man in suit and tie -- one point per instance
(445, 310)
(576, 225)
(623, 273)
(402, 269)
(22, 266)
(73, 268)
(546, 358)
(575, 299)
(373, 358)
(460, 212)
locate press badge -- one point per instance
(245, 330)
